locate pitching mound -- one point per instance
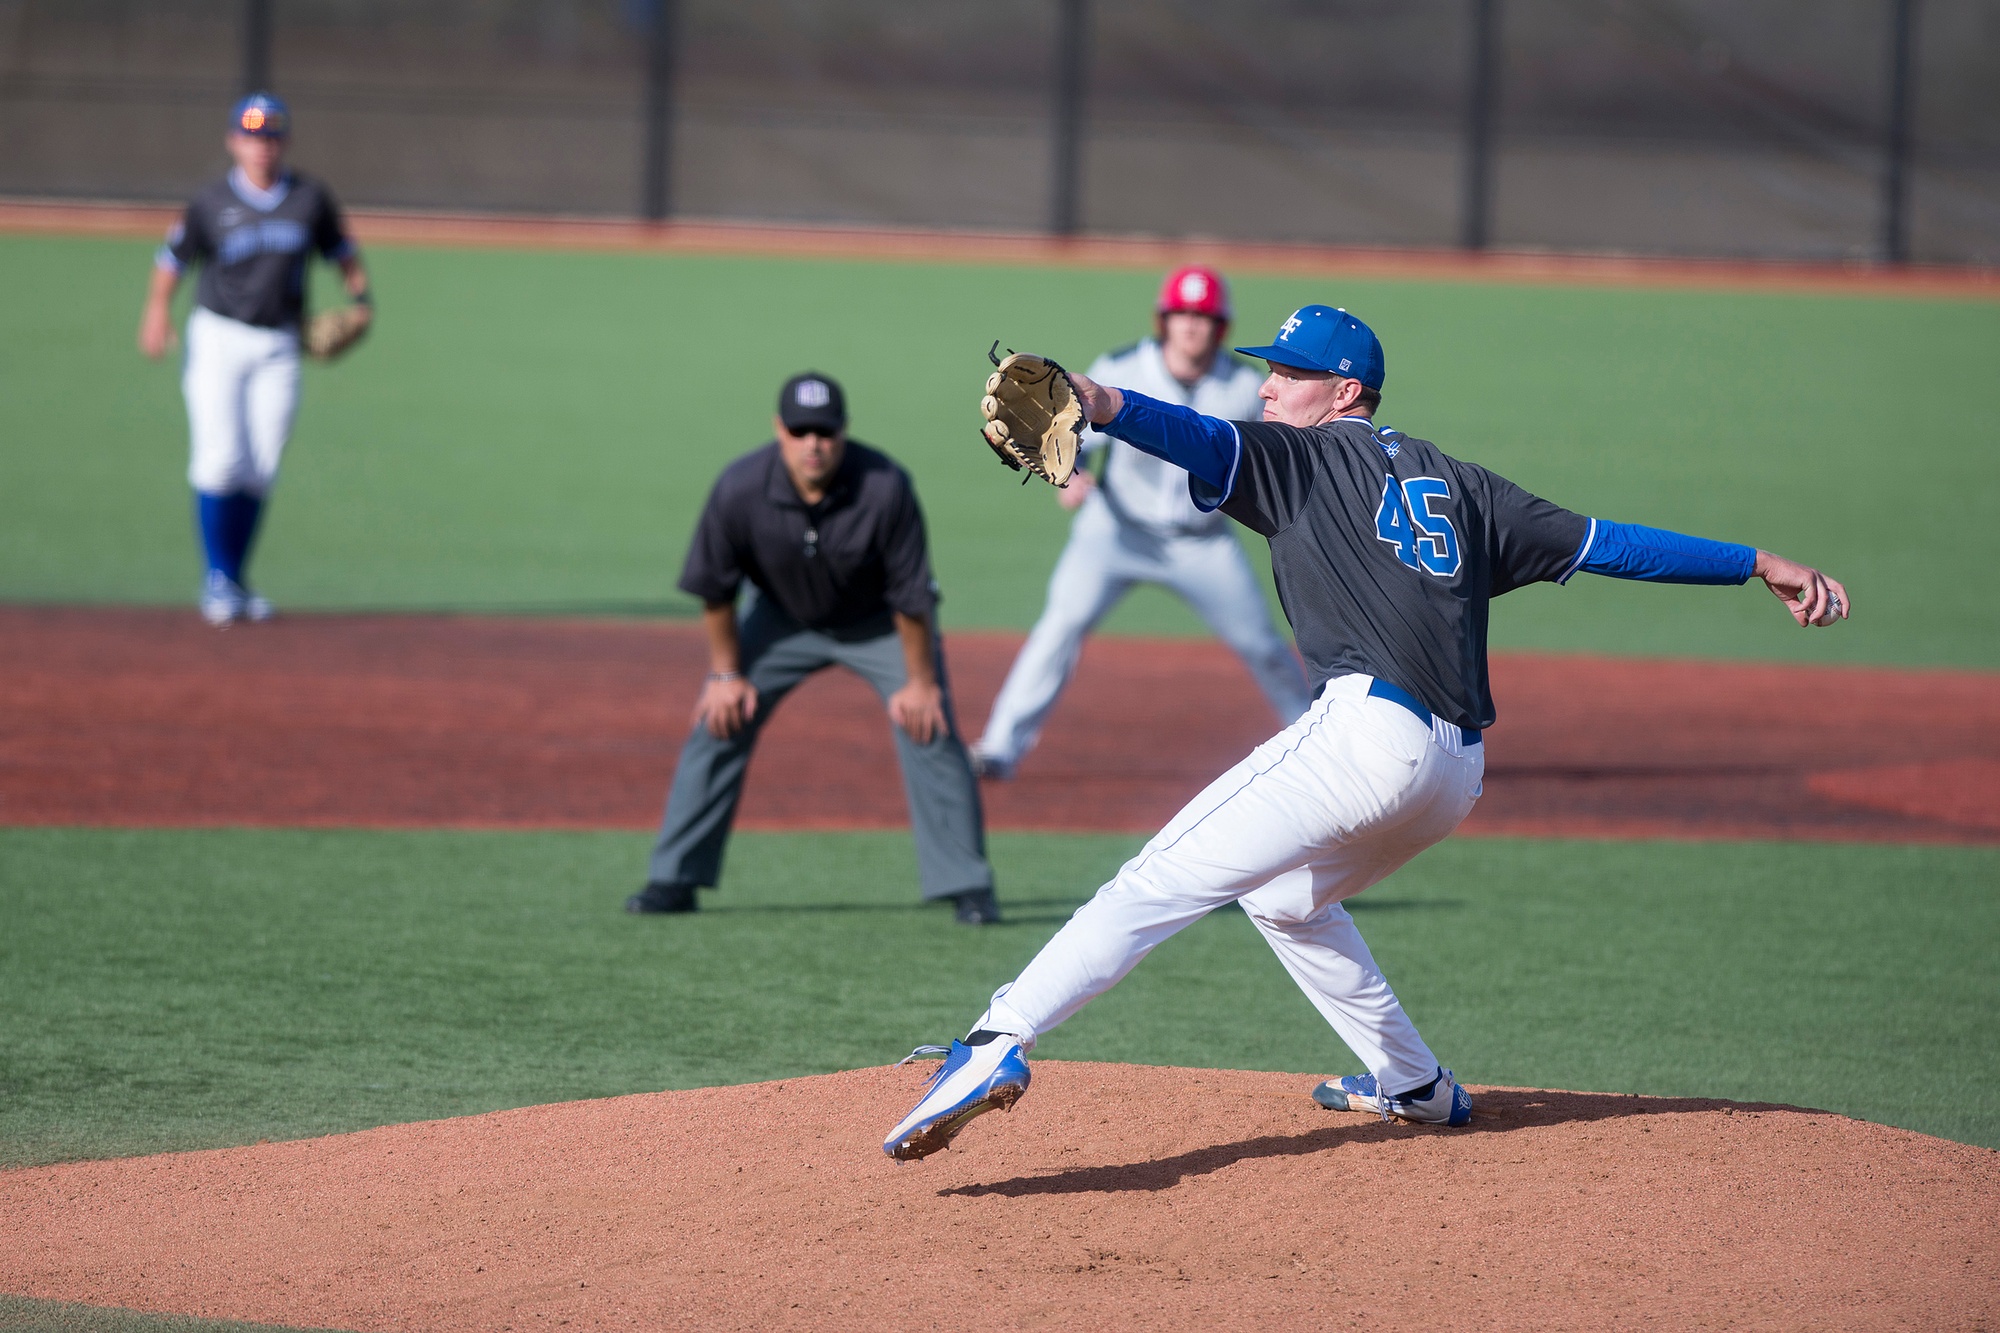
(1113, 1196)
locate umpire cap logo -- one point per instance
(812, 393)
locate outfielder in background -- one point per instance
(251, 233)
(1137, 525)
(1387, 552)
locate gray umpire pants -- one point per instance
(777, 654)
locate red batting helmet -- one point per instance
(1195, 288)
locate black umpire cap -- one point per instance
(812, 402)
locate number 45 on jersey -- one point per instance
(1408, 520)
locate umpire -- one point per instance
(828, 533)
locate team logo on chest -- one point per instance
(272, 236)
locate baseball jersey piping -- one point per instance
(1582, 554)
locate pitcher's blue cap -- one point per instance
(262, 115)
(1319, 337)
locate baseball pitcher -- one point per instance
(1388, 552)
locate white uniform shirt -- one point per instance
(1151, 492)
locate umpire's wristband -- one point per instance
(725, 675)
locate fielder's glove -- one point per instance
(332, 332)
(1033, 419)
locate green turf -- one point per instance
(19, 1314)
(537, 430)
(181, 989)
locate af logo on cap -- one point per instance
(1289, 327)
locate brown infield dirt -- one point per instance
(145, 717)
(1113, 1196)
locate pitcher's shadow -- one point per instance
(1496, 1111)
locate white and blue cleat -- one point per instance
(976, 1077)
(1440, 1102)
(224, 601)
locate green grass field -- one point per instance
(186, 989)
(18, 1314)
(536, 431)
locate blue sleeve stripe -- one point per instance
(1589, 539)
(1633, 551)
(164, 258)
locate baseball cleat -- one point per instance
(222, 600)
(976, 907)
(257, 607)
(990, 766)
(973, 1080)
(656, 897)
(1439, 1102)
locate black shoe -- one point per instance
(663, 898)
(977, 907)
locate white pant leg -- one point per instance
(1327, 807)
(271, 399)
(1087, 583)
(1216, 579)
(241, 385)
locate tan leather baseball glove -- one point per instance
(331, 332)
(1033, 419)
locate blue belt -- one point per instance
(1395, 694)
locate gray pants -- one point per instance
(777, 654)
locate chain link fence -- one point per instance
(1697, 127)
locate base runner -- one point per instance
(1387, 552)
(1137, 525)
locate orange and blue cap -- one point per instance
(261, 115)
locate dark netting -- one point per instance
(1661, 126)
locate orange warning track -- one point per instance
(1113, 1196)
(144, 717)
(385, 226)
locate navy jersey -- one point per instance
(1386, 551)
(850, 559)
(253, 245)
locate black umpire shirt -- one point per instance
(853, 557)
(254, 258)
(1386, 550)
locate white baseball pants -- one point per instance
(1098, 566)
(1330, 805)
(241, 383)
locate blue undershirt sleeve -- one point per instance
(1206, 446)
(1633, 551)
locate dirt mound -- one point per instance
(147, 717)
(1113, 1196)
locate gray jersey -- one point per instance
(1150, 492)
(1386, 551)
